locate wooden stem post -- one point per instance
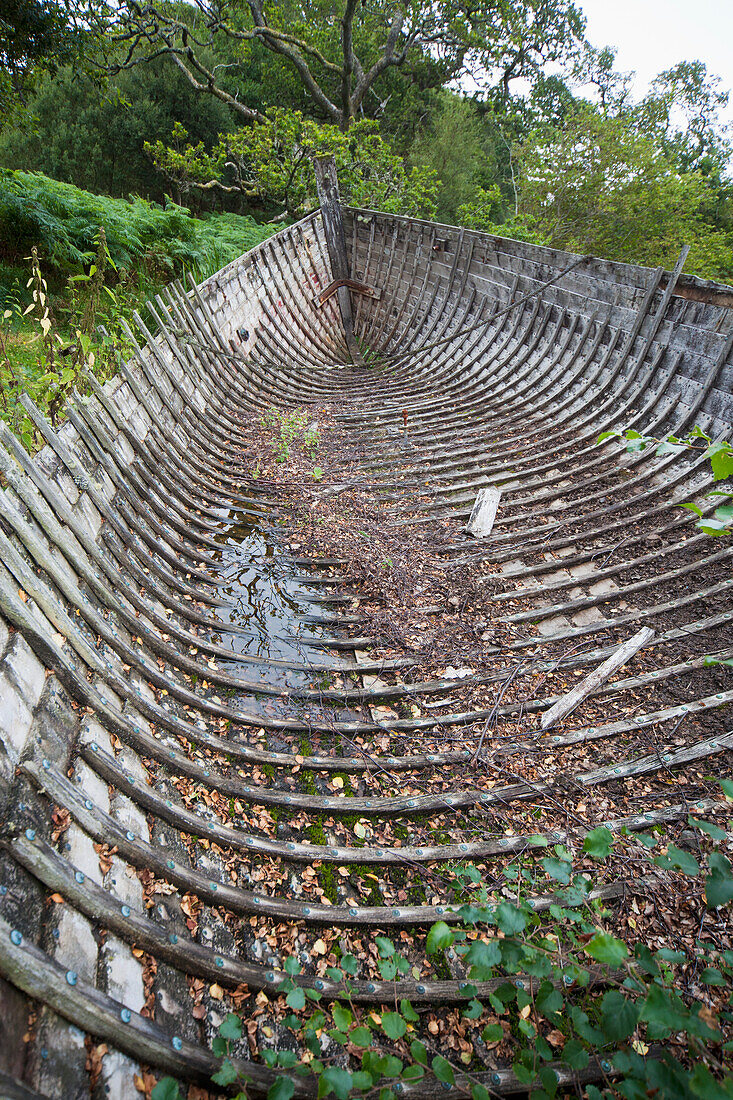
(333, 228)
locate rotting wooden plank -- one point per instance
(482, 517)
(594, 679)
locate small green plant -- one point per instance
(289, 428)
(718, 453)
(556, 972)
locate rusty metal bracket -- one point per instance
(330, 290)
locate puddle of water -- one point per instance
(270, 610)
(266, 602)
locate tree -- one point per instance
(95, 139)
(341, 53)
(272, 161)
(684, 108)
(594, 68)
(455, 145)
(33, 34)
(600, 185)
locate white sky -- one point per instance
(653, 35)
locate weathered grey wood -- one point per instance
(10, 1089)
(594, 679)
(484, 512)
(333, 228)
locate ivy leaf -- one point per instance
(231, 1027)
(227, 1075)
(388, 1066)
(677, 857)
(713, 527)
(335, 1080)
(559, 869)
(721, 459)
(393, 1026)
(443, 1070)
(386, 947)
(419, 1052)
(619, 1016)
(361, 1037)
(707, 827)
(598, 842)
(482, 958)
(549, 1000)
(666, 447)
(361, 1080)
(509, 919)
(296, 999)
(575, 1055)
(719, 883)
(341, 1017)
(387, 968)
(712, 976)
(664, 1012)
(349, 964)
(283, 1089)
(439, 938)
(166, 1089)
(606, 949)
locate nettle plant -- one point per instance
(55, 360)
(566, 993)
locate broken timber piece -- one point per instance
(484, 512)
(351, 284)
(594, 679)
(333, 229)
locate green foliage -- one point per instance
(352, 59)
(62, 221)
(454, 144)
(115, 254)
(719, 454)
(166, 1089)
(34, 34)
(643, 998)
(290, 428)
(94, 138)
(272, 161)
(483, 213)
(600, 184)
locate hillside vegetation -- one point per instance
(72, 262)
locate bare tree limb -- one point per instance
(278, 45)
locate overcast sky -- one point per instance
(653, 35)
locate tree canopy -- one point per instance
(342, 52)
(496, 114)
